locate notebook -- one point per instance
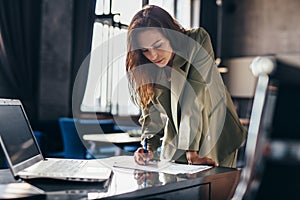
(25, 158)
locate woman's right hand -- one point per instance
(194, 159)
(141, 157)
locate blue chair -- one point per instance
(38, 136)
(72, 144)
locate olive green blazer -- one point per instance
(196, 112)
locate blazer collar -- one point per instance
(179, 61)
(178, 79)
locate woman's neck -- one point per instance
(170, 63)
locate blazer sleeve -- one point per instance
(152, 126)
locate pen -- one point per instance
(145, 148)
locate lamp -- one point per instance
(240, 80)
(221, 67)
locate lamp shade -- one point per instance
(239, 80)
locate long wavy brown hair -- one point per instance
(141, 84)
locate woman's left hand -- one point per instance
(194, 159)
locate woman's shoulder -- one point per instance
(199, 34)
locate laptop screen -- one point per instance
(16, 134)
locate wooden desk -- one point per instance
(215, 184)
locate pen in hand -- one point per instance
(145, 150)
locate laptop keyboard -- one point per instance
(62, 167)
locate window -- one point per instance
(107, 86)
(106, 89)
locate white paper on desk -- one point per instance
(160, 166)
(175, 168)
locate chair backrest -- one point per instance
(73, 146)
(273, 143)
(90, 126)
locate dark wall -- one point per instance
(251, 28)
(55, 70)
(254, 27)
(55, 59)
(66, 35)
(259, 27)
(208, 19)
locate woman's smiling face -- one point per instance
(155, 47)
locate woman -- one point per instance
(185, 106)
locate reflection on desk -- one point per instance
(20, 190)
(214, 183)
(13, 189)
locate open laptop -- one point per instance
(25, 158)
